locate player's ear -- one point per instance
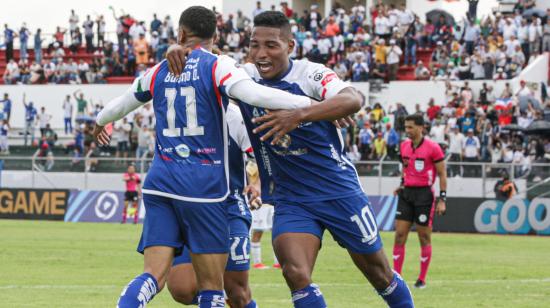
(181, 35)
(291, 44)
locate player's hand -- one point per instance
(253, 197)
(397, 191)
(101, 135)
(176, 55)
(441, 207)
(280, 121)
(344, 122)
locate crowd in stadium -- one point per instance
(359, 49)
(470, 125)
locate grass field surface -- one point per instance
(57, 264)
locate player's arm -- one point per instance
(339, 101)
(442, 174)
(119, 107)
(253, 189)
(235, 82)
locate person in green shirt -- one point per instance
(81, 103)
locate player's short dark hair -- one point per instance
(417, 119)
(272, 19)
(199, 20)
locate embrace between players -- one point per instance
(196, 229)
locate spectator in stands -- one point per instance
(43, 120)
(393, 55)
(45, 159)
(76, 40)
(143, 142)
(360, 70)
(92, 156)
(24, 34)
(51, 136)
(121, 135)
(88, 27)
(5, 108)
(258, 9)
(73, 22)
(456, 141)
(30, 120)
(421, 72)
(81, 104)
(380, 149)
(392, 141)
(9, 35)
(471, 152)
(59, 36)
(38, 46)
(366, 137)
(12, 72)
(68, 114)
(101, 28)
(4, 142)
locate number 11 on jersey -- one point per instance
(192, 128)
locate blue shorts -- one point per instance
(202, 227)
(239, 241)
(350, 220)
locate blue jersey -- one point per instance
(239, 145)
(191, 159)
(309, 164)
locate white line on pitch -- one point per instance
(269, 285)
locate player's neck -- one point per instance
(194, 43)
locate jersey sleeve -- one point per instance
(237, 129)
(323, 82)
(437, 153)
(143, 86)
(227, 73)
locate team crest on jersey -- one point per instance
(182, 150)
(285, 141)
(418, 165)
(318, 76)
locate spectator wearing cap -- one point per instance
(393, 55)
(380, 149)
(471, 152)
(421, 72)
(309, 41)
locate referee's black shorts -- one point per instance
(131, 196)
(416, 204)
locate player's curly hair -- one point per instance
(199, 20)
(272, 19)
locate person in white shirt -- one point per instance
(68, 115)
(471, 152)
(535, 32)
(308, 43)
(509, 29)
(511, 45)
(121, 134)
(147, 115)
(233, 40)
(382, 26)
(43, 120)
(73, 22)
(83, 71)
(456, 139)
(393, 55)
(324, 44)
(258, 10)
(12, 73)
(437, 132)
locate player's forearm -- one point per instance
(251, 93)
(117, 108)
(345, 103)
(442, 174)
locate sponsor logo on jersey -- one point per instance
(318, 76)
(285, 141)
(422, 218)
(183, 150)
(206, 151)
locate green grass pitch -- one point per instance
(56, 264)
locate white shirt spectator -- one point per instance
(471, 145)
(135, 30)
(508, 31)
(393, 54)
(73, 22)
(324, 46)
(233, 39)
(308, 45)
(437, 133)
(67, 109)
(455, 142)
(83, 67)
(382, 25)
(43, 119)
(147, 115)
(511, 46)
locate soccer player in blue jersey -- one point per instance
(186, 185)
(315, 186)
(181, 280)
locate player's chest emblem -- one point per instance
(419, 164)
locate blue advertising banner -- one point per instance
(384, 208)
(97, 206)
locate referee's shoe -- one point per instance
(419, 284)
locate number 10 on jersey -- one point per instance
(192, 128)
